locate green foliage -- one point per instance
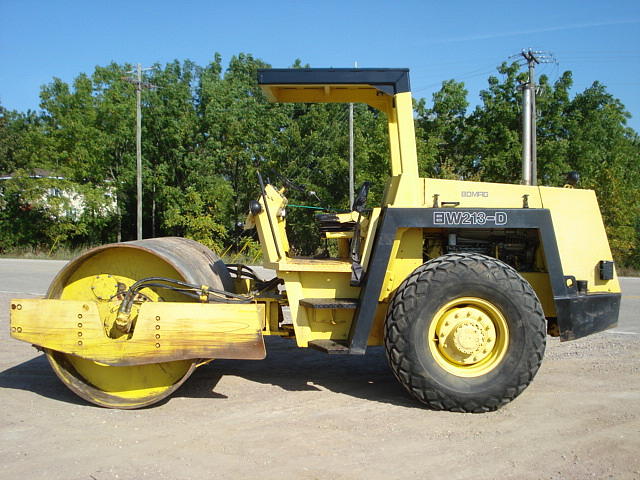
(190, 216)
(248, 252)
(442, 133)
(208, 130)
(51, 212)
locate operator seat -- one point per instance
(330, 222)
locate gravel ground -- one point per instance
(309, 415)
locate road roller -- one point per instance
(460, 281)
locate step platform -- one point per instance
(332, 347)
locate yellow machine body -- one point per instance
(578, 231)
(574, 212)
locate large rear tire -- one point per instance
(95, 276)
(465, 333)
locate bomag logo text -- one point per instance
(475, 194)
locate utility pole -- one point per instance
(532, 60)
(139, 84)
(526, 136)
(529, 115)
(351, 178)
(351, 183)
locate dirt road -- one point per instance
(303, 414)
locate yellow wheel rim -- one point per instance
(468, 337)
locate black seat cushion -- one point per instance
(329, 222)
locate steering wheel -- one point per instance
(361, 197)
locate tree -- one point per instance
(208, 130)
(606, 153)
(442, 133)
(553, 132)
(22, 140)
(494, 126)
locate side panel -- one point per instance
(582, 240)
(310, 324)
(406, 256)
(579, 314)
(370, 237)
(542, 286)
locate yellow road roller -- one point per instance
(460, 281)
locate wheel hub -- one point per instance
(109, 290)
(466, 335)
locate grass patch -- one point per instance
(62, 253)
(246, 256)
(235, 258)
(627, 272)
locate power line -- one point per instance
(464, 76)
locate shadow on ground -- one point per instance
(286, 366)
(303, 369)
(36, 376)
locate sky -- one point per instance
(458, 39)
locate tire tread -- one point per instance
(447, 268)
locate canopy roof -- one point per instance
(365, 85)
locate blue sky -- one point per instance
(464, 40)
